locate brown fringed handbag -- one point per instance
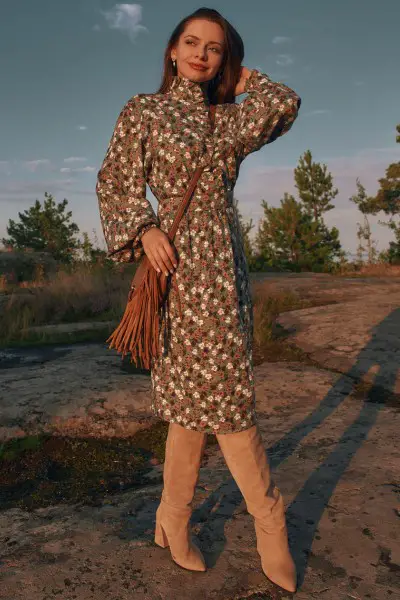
(138, 330)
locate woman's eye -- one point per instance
(191, 42)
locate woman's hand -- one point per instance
(245, 73)
(159, 250)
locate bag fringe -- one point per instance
(138, 330)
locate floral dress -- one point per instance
(203, 376)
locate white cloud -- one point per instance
(86, 169)
(284, 60)
(32, 165)
(387, 150)
(318, 111)
(71, 159)
(96, 27)
(27, 191)
(82, 127)
(363, 162)
(5, 167)
(126, 18)
(280, 39)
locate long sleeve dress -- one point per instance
(203, 376)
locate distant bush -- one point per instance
(379, 269)
(18, 266)
(76, 292)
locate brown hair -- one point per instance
(220, 89)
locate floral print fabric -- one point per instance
(203, 376)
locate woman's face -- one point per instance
(202, 43)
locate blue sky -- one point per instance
(69, 67)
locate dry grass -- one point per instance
(269, 341)
(87, 292)
(99, 293)
(375, 270)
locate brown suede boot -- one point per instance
(246, 458)
(183, 452)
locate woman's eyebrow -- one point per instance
(197, 38)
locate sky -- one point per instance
(68, 68)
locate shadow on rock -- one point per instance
(307, 508)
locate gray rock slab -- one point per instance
(360, 337)
(334, 457)
(333, 452)
(77, 389)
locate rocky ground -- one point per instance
(330, 426)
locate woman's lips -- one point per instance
(197, 68)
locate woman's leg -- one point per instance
(246, 458)
(183, 453)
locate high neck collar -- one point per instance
(189, 90)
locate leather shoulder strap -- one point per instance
(213, 108)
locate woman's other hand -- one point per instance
(245, 73)
(159, 250)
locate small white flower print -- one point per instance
(206, 233)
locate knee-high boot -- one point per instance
(246, 458)
(183, 452)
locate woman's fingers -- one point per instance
(153, 261)
(159, 250)
(165, 257)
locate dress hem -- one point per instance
(210, 430)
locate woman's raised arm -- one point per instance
(268, 111)
(125, 213)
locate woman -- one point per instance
(202, 380)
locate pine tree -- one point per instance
(363, 203)
(387, 200)
(360, 247)
(289, 237)
(314, 185)
(46, 229)
(295, 235)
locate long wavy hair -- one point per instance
(221, 89)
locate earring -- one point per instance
(174, 63)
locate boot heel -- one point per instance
(160, 537)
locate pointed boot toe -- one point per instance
(276, 560)
(283, 575)
(194, 560)
(183, 550)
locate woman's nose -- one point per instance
(201, 54)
